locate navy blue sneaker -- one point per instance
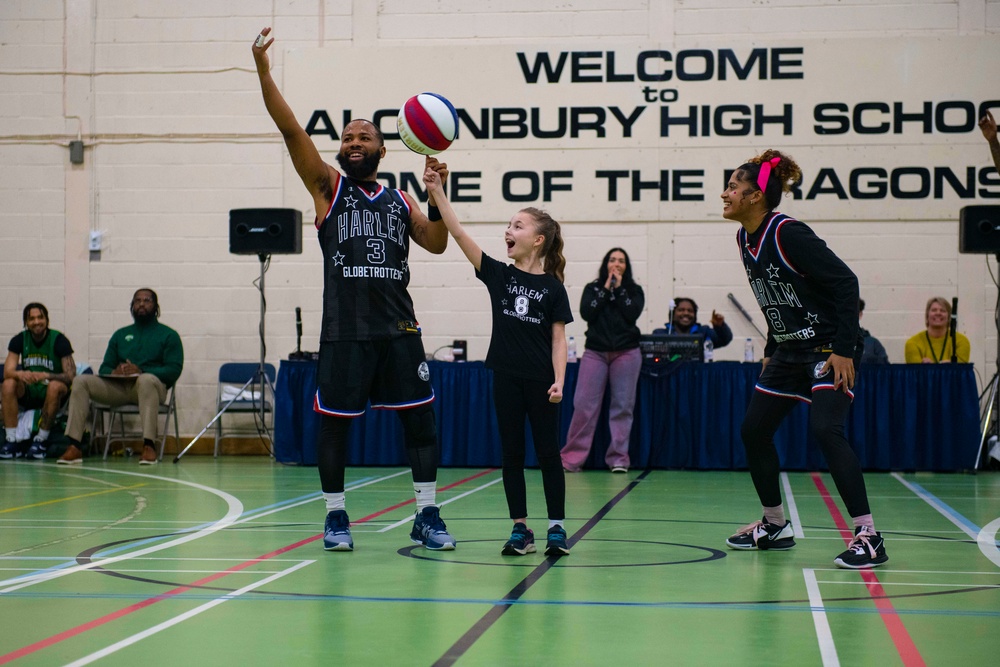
(337, 532)
(8, 451)
(36, 451)
(522, 541)
(555, 542)
(430, 531)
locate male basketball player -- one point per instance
(370, 347)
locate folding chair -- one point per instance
(233, 377)
(167, 409)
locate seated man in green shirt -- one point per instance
(143, 360)
(47, 369)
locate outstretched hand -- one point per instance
(432, 178)
(259, 48)
(717, 319)
(442, 170)
(989, 127)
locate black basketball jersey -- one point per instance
(809, 297)
(365, 237)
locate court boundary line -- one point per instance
(985, 537)
(180, 618)
(793, 509)
(908, 652)
(824, 636)
(235, 510)
(502, 606)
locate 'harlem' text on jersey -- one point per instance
(365, 237)
(800, 299)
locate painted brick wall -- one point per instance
(165, 96)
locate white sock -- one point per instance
(42, 436)
(556, 522)
(775, 515)
(335, 501)
(425, 493)
(11, 434)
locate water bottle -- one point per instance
(748, 350)
(571, 351)
(709, 349)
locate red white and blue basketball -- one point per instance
(427, 123)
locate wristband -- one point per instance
(433, 214)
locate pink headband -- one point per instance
(765, 172)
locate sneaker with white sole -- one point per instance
(865, 551)
(555, 542)
(9, 451)
(521, 542)
(36, 451)
(337, 532)
(430, 531)
(764, 536)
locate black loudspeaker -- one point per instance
(979, 230)
(267, 231)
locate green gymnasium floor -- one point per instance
(220, 562)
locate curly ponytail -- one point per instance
(780, 171)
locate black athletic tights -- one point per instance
(827, 415)
(421, 447)
(514, 399)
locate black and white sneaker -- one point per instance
(867, 550)
(763, 535)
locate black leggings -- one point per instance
(421, 447)
(827, 415)
(514, 399)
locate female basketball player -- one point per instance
(527, 356)
(809, 298)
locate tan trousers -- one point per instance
(146, 391)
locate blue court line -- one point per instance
(716, 606)
(132, 545)
(956, 517)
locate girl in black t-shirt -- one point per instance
(527, 356)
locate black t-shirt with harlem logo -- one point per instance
(808, 295)
(525, 306)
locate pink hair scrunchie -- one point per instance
(765, 172)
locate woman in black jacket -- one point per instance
(610, 305)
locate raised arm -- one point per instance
(317, 176)
(432, 179)
(989, 127)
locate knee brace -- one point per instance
(419, 426)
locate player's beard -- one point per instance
(147, 318)
(360, 171)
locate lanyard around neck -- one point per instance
(944, 346)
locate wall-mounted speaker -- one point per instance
(267, 231)
(979, 230)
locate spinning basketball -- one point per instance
(427, 123)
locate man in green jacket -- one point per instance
(143, 360)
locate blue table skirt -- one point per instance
(905, 417)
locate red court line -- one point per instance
(907, 650)
(125, 611)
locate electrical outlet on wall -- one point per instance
(96, 240)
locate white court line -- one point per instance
(987, 541)
(827, 649)
(985, 537)
(793, 510)
(233, 513)
(409, 520)
(105, 652)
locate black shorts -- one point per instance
(392, 374)
(799, 381)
